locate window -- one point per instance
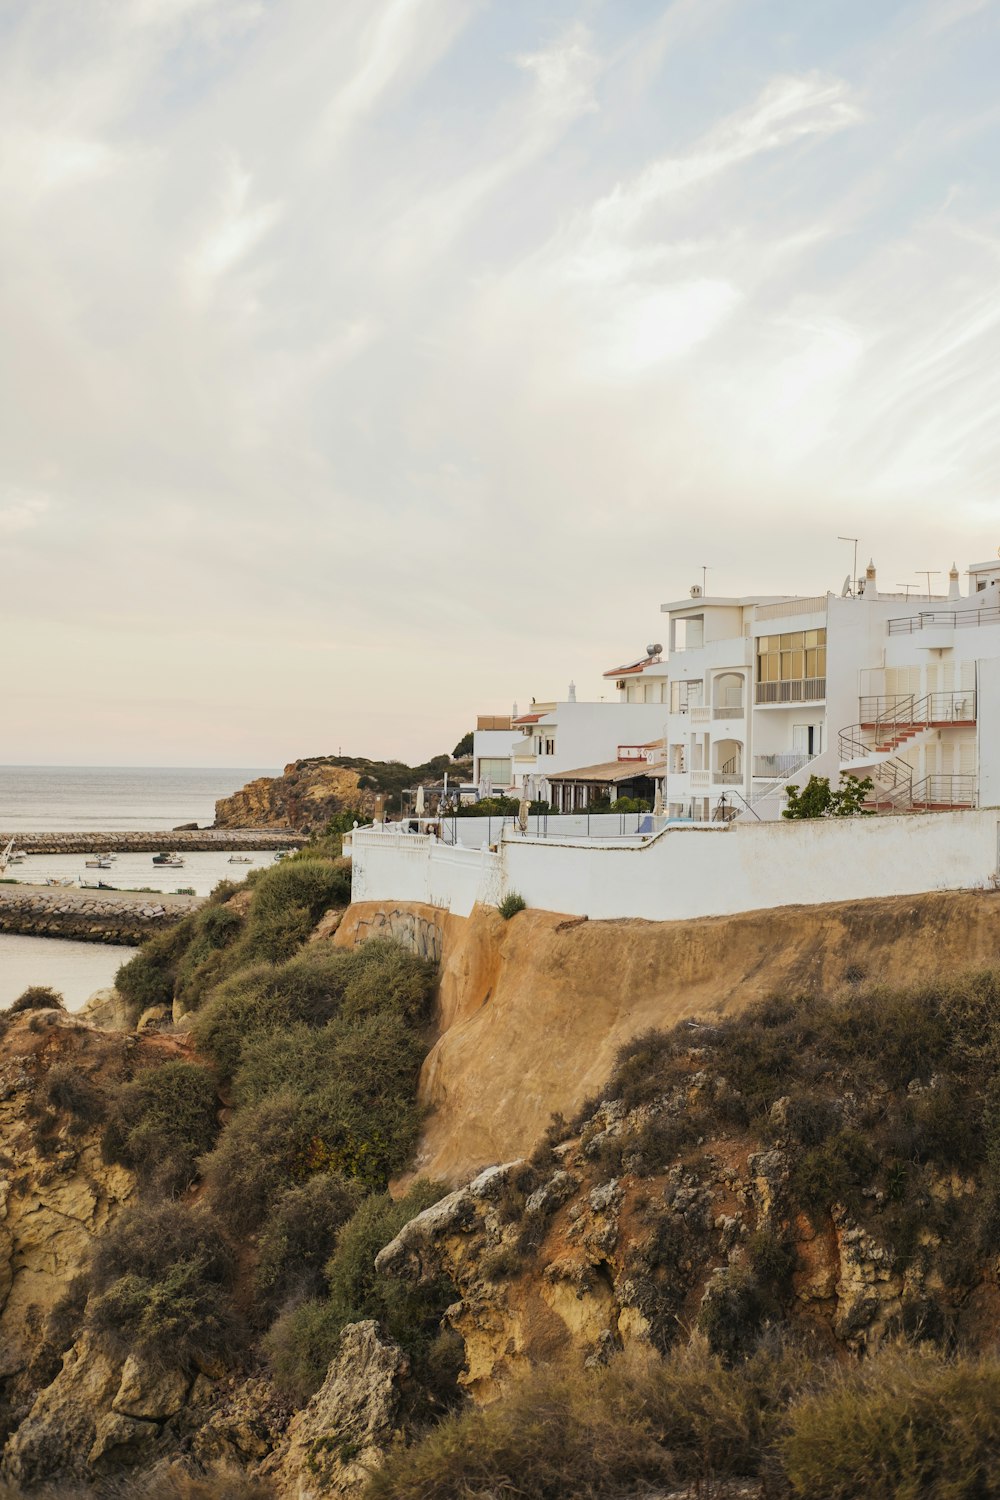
(792, 657)
(498, 770)
(684, 695)
(550, 747)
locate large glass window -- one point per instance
(791, 657)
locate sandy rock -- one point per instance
(154, 1017)
(354, 1417)
(107, 1009)
(115, 1434)
(61, 1429)
(148, 1392)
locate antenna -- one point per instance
(907, 587)
(704, 579)
(928, 573)
(854, 570)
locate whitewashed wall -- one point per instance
(691, 872)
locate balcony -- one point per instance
(728, 711)
(700, 713)
(701, 778)
(783, 763)
(798, 690)
(727, 778)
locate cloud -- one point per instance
(20, 512)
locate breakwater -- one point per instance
(193, 840)
(125, 917)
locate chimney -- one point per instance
(871, 588)
(954, 592)
(571, 695)
(513, 712)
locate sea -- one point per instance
(106, 799)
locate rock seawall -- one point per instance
(194, 841)
(90, 916)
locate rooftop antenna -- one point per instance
(907, 587)
(928, 573)
(854, 570)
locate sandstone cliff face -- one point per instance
(531, 1012)
(56, 1194)
(303, 798)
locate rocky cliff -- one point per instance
(531, 1012)
(303, 798)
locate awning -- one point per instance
(613, 771)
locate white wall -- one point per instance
(692, 872)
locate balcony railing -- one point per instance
(784, 763)
(728, 711)
(945, 619)
(945, 791)
(700, 713)
(797, 690)
(906, 708)
(727, 778)
(701, 778)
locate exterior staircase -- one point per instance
(888, 725)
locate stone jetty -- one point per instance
(90, 916)
(193, 840)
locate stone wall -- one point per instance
(194, 840)
(90, 916)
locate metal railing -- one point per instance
(906, 709)
(945, 619)
(783, 763)
(795, 690)
(945, 791)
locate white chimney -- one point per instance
(571, 695)
(954, 591)
(871, 588)
(513, 712)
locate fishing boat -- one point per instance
(240, 859)
(5, 857)
(59, 880)
(101, 862)
(172, 861)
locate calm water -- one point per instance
(36, 799)
(76, 970)
(61, 799)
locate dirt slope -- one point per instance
(532, 1011)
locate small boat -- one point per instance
(100, 863)
(173, 861)
(59, 880)
(5, 857)
(280, 854)
(240, 859)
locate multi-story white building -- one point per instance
(768, 691)
(559, 737)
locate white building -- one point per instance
(560, 737)
(768, 691)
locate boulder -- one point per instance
(354, 1417)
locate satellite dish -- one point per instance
(655, 650)
(845, 592)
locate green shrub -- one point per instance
(148, 978)
(68, 1091)
(298, 1238)
(37, 997)
(263, 1151)
(161, 1122)
(641, 1424)
(162, 1279)
(303, 1342)
(904, 1427)
(511, 904)
(834, 1172)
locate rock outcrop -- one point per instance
(303, 798)
(354, 1418)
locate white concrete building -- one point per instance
(768, 691)
(559, 737)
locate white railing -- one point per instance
(701, 778)
(700, 713)
(728, 711)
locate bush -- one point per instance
(302, 1343)
(902, 1427)
(148, 978)
(640, 1424)
(299, 1237)
(37, 997)
(262, 1152)
(162, 1281)
(511, 904)
(161, 1122)
(68, 1091)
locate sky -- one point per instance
(369, 364)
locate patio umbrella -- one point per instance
(522, 811)
(658, 804)
(419, 808)
(485, 786)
